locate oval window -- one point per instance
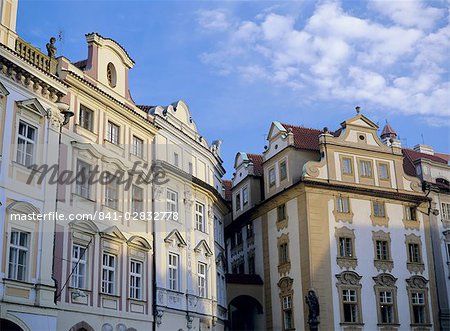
(111, 75)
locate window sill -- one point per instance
(82, 197)
(111, 296)
(347, 262)
(380, 220)
(85, 132)
(411, 224)
(137, 300)
(388, 324)
(351, 323)
(421, 324)
(415, 267)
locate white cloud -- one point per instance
(217, 19)
(400, 66)
(409, 13)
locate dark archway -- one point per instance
(82, 326)
(6, 325)
(243, 311)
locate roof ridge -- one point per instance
(300, 126)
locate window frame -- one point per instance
(13, 268)
(81, 261)
(362, 168)
(350, 159)
(111, 136)
(200, 222)
(82, 120)
(283, 164)
(112, 186)
(108, 284)
(388, 175)
(22, 159)
(202, 280)
(136, 291)
(83, 189)
(173, 274)
(245, 199)
(271, 172)
(137, 146)
(139, 208)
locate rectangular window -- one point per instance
(446, 211)
(345, 247)
(239, 238)
(343, 205)
(287, 313)
(113, 133)
(238, 201)
(138, 147)
(82, 179)
(410, 212)
(245, 196)
(383, 172)
(418, 307)
(26, 141)
(202, 280)
(174, 261)
(386, 307)
(382, 250)
(86, 118)
(283, 253)
(350, 305)
(414, 253)
(172, 201)
(218, 230)
(378, 209)
(191, 168)
(176, 159)
(200, 217)
(79, 262)
(283, 170)
(18, 255)
(250, 230)
(346, 166)
(108, 273)
(272, 177)
(137, 199)
(136, 280)
(111, 191)
(251, 265)
(281, 213)
(365, 168)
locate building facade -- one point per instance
(30, 124)
(341, 232)
(433, 169)
(189, 242)
(104, 168)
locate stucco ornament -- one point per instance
(385, 280)
(107, 327)
(55, 117)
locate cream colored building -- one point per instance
(338, 215)
(30, 121)
(433, 169)
(189, 244)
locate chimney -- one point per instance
(425, 149)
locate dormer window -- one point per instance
(111, 75)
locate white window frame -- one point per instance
(138, 147)
(137, 203)
(109, 273)
(343, 204)
(200, 223)
(173, 275)
(83, 119)
(82, 188)
(202, 279)
(113, 133)
(365, 168)
(23, 156)
(382, 175)
(112, 192)
(350, 297)
(245, 196)
(445, 211)
(344, 168)
(136, 284)
(172, 201)
(79, 266)
(272, 177)
(13, 259)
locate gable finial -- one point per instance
(358, 109)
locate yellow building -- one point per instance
(339, 221)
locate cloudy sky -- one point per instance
(240, 65)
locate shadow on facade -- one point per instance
(243, 313)
(6, 325)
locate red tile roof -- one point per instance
(443, 156)
(304, 138)
(257, 161)
(227, 185)
(410, 156)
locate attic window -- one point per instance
(111, 75)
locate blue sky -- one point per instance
(241, 65)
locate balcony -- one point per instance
(35, 56)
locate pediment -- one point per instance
(85, 225)
(275, 129)
(3, 91)
(361, 121)
(113, 232)
(203, 246)
(34, 106)
(139, 242)
(175, 236)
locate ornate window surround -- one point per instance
(411, 224)
(418, 284)
(344, 261)
(285, 267)
(414, 267)
(386, 282)
(384, 265)
(377, 220)
(349, 280)
(286, 290)
(341, 216)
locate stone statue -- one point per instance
(314, 310)
(51, 49)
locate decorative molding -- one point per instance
(346, 262)
(387, 264)
(206, 248)
(173, 236)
